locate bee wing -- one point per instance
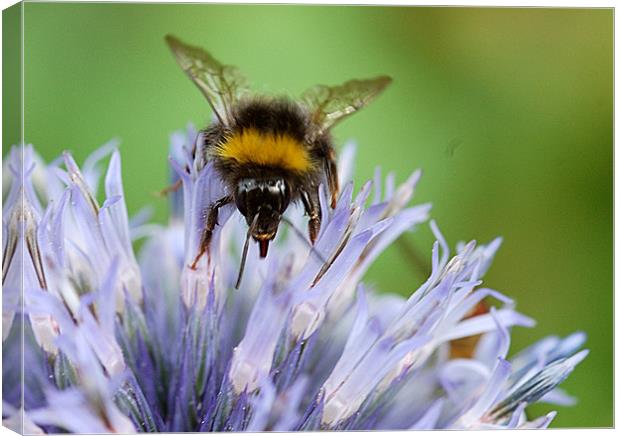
(221, 84)
(330, 104)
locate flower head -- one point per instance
(150, 343)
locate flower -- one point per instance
(119, 343)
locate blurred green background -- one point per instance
(507, 111)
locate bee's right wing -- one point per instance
(330, 104)
(221, 84)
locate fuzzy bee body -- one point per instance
(268, 138)
(269, 151)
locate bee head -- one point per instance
(262, 202)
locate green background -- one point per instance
(507, 111)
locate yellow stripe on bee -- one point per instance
(253, 147)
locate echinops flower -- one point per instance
(114, 342)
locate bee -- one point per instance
(269, 151)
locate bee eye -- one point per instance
(240, 201)
(241, 196)
(284, 194)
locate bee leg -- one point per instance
(313, 209)
(207, 232)
(331, 170)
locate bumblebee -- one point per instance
(269, 151)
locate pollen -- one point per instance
(254, 147)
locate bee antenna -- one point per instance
(301, 236)
(244, 256)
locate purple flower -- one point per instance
(115, 342)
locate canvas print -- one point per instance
(289, 218)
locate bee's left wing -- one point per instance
(221, 84)
(330, 104)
